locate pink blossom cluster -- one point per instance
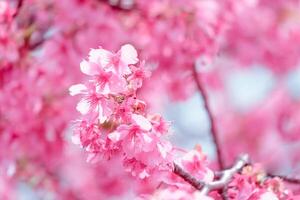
(8, 35)
(196, 30)
(173, 187)
(196, 163)
(252, 184)
(274, 42)
(41, 45)
(35, 114)
(115, 122)
(116, 125)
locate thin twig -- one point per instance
(285, 178)
(122, 5)
(213, 129)
(226, 176)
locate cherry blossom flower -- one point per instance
(41, 46)
(125, 129)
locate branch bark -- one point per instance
(285, 178)
(188, 177)
(213, 128)
(124, 5)
(225, 176)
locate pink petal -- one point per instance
(142, 122)
(129, 54)
(100, 56)
(75, 139)
(147, 138)
(114, 136)
(88, 68)
(162, 150)
(208, 176)
(83, 107)
(268, 196)
(144, 174)
(77, 89)
(91, 158)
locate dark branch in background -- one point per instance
(225, 176)
(124, 5)
(37, 44)
(288, 179)
(18, 8)
(215, 135)
(213, 129)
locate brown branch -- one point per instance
(285, 178)
(188, 177)
(120, 4)
(214, 134)
(213, 129)
(225, 176)
(36, 44)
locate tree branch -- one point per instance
(214, 134)
(124, 5)
(188, 177)
(288, 179)
(225, 176)
(213, 129)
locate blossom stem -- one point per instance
(213, 129)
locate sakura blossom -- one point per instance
(149, 99)
(146, 154)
